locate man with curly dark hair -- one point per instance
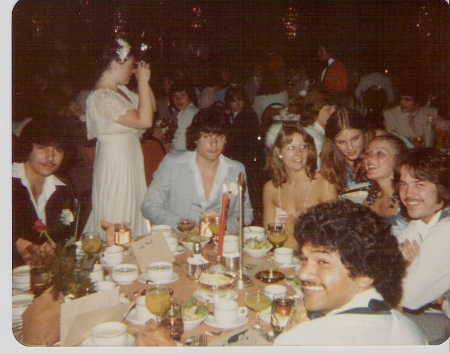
(424, 189)
(351, 275)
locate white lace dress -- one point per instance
(119, 179)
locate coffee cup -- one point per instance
(284, 256)
(109, 334)
(105, 285)
(96, 274)
(113, 255)
(165, 229)
(230, 243)
(159, 270)
(125, 273)
(274, 289)
(173, 243)
(254, 232)
(228, 311)
(142, 313)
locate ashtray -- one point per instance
(269, 276)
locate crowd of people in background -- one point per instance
(372, 141)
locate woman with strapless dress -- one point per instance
(118, 117)
(295, 184)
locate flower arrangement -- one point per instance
(123, 50)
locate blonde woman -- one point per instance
(295, 184)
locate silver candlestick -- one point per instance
(243, 280)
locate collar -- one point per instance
(359, 300)
(18, 171)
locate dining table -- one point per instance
(184, 287)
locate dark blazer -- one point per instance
(24, 217)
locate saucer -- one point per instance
(181, 250)
(241, 321)
(143, 279)
(295, 262)
(203, 295)
(132, 319)
(131, 341)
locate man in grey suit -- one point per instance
(189, 183)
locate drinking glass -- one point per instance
(173, 319)
(157, 300)
(257, 301)
(282, 308)
(277, 234)
(185, 225)
(91, 243)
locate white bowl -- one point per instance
(256, 252)
(254, 232)
(190, 246)
(125, 273)
(162, 228)
(21, 275)
(109, 334)
(20, 303)
(190, 325)
(159, 270)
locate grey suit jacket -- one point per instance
(176, 192)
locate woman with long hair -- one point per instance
(295, 184)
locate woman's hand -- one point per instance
(143, 72)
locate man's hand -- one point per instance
(410, 250)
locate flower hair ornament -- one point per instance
(272, 134)
(124, 50)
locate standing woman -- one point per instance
(382, 157)
(295, 184)
(118, 117)
(346, 138)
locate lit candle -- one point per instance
(223, 220)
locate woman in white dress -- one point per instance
(118, 117)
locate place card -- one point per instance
(151, 248)
(79, 316)
(255, 265)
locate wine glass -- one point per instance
(91, 243)
(257, 301)
(277, 234)
(282, 308)
(185, 225)
(157, 300)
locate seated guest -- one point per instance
(189, 183)
(183, 98)
(410, 120)
(351, 274)
(37, 194)
(295, 184)
(383, 155)
(243, 143)
(424, 189)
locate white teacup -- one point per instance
(142, 313)
(284, 256)
(254, 232)
(274, 289)
(228, 311)
(162, 228)
(96, 274)
(105, 285)
(230, 243)
(109, 334)
(113, 255)
(125, 273)
(173, 243)
(159, 270)
(20, 303)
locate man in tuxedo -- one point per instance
(334, 77)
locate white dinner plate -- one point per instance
(295, 262)
(203, 295)
(132, 319)
(143, 279)
(131, 341)
(241, 321)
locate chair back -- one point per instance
(153, 151)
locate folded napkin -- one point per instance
(154, 335)
(41, 320)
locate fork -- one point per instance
(202, 340)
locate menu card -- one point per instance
(151, 248)
(79, 316)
